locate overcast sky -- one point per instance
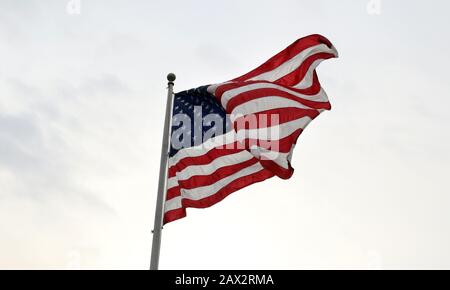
(82, 100)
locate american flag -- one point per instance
(230, 135)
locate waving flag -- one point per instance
(230, 135)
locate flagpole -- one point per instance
(159, 212)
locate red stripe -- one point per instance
(173, 192)
(218, 196)
(264, 119)
(276, 169)
(206, 158)
(174, 215)
(220, 173)
(297, 75)
(284, 145)
(314, 89)
(286, 54)
(230, 86)
(271, 92)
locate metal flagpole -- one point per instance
(159, 212)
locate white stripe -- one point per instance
(307, 80)
(228, 95)
(172, 182)
(203, 148)
(281, 130)
(264, 104)
(212, 88)
(292, 64)
(206, 191)
(279, 158)
(207, 169)
(172, 204)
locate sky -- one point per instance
(82, 100)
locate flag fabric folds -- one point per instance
(229, 135)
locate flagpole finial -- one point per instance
(171, 77)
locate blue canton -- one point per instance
(185, 102)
